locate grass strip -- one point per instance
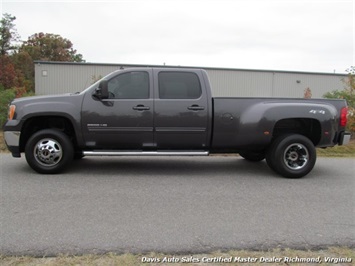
(332, 255)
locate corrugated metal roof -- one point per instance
(194, 67)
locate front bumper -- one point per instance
(344, 138)
(12, 140)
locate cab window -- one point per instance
(179, 85)
(131, 85)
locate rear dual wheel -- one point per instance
(292, 156)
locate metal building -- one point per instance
(63, 77)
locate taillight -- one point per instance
(343, 116)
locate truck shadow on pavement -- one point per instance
(175, 166)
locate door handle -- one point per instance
(141, 107)
(196, 107)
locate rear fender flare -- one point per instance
(265, 115)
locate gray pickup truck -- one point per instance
(171, 111)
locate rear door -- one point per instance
(180, 110)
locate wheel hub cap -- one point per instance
(48, 152)
(293, 156)
(296, 156)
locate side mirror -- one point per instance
(102, 91)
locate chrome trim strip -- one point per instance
(146, 153)
(12, 138)
(181, 129)
(120, 129)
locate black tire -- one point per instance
(49, 151)
(292, 156)
(252, 156)
(269, 153)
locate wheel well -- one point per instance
(35, 124)
(308, 127)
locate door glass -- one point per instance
(179, 85)
(132, 85)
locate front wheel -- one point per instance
(49, 151)
(292, 156)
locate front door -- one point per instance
(125, 120)
(181, 110)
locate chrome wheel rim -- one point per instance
(48, 152)
(296, 156)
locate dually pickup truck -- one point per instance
(171, 111)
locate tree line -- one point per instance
(16, 56)
(16, 60)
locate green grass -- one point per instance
(260, 257)
(3, 147)
(338, 151)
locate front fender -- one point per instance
(67, 106)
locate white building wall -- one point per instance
(57, 78)
(64, 78)
(230, 83)
(294, 84)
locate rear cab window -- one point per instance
(179, 85)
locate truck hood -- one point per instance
(60, 105)
(44, 98)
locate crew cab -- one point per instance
(171, 111)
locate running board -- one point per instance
(145, 153)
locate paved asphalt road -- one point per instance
(175, 205)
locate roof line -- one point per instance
(191, 67)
